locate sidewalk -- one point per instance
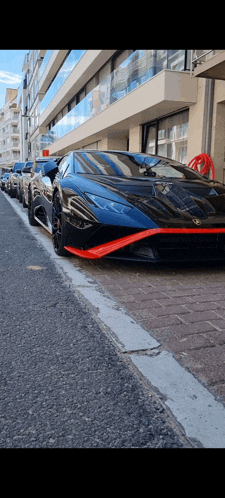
(183, 307)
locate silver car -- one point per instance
(34, 170)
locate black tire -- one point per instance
(24, 202)
(31, 218)
(59, 239)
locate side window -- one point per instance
(63, 165)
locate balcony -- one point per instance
(166, 92)
(208, 64)
(15, 130)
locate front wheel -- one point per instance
(20, 196)
(58, 227)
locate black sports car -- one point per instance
(130, 206)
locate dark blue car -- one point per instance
(128, 205)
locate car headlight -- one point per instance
(108, 205)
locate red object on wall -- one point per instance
(207, 163)
(45, 153)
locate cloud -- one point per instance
(10, 78)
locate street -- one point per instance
(63, 382)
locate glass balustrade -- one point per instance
(138, 68)
(70, 62)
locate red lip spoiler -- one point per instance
(104, 249)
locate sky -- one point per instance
(11, 62)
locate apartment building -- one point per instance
(29, 102)
(138, 100)
(9, 131)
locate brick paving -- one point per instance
(183, 307)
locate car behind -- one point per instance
(4, 180)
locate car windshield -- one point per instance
(18, 166)
(37, 166)
(131, 165)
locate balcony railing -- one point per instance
(200, 56)
(138, 68)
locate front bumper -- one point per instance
(162, 244)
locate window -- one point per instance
(91, 85)
(81, 96)
(150, 147)
(120, 58)
(16, 154)
(168, 136)
(64, 163)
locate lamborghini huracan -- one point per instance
(127, 205)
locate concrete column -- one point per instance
(113, 143)
(218, 141)
(135, 139)
(195, 127)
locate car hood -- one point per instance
(170, 198)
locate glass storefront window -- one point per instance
(151, 139)
(171, 137)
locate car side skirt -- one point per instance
(109, 247)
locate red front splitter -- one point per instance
(104, 249)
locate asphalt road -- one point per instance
(63, 382)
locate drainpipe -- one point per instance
(208, 115)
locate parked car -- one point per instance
(35, 169)
(128, 205)
(24, 177)
(3, 181)
(13, 179)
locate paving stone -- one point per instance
(208, 363)
(184, 330)
(163, 321)
(218, 323)
(209, 305)
(199, 316)
(169, 310)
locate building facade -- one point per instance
(9, 131)
(138, 100)
(208, 67)
(29, 102)
(116, 99)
